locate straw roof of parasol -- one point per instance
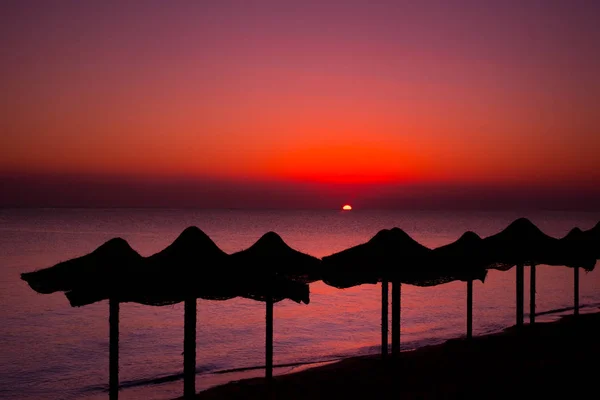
(192, 266)
(389, 255)
(280, 288)
(113, 260)
(464, 259)
(360, 264)
(593, 236)
(592, 240)
(521, 242)
(577, 250)
(276, 269)
(412, 262)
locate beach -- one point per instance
(545, 359)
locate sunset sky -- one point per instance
(300, 103)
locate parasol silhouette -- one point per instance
(464, 260)
(92, 278)
(275, 270)
(578, 249)
(520, 243)
(364, 264)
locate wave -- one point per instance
(564, 309)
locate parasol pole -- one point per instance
(189, 348)
(269, 336)
(576, 290)
(384, 318)
(469, 309)
(396, 304)
(520, 301)
(113, 368)
(532, 295)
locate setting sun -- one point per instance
(347, 207)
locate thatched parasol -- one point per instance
(360, 264)
(464, 260)
(591, 245)
(112, 260)
(276, 271)
(578, 249)
(410, 261)
(364, 264)
(521, 243)
(587, 241)
(574, 250)
(191, 267)
(92, 277)
(391, 255)
(275, 256)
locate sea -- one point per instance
(49, 350)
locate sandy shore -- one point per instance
(549, 359)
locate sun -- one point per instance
(347, 207)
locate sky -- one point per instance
(300, 104)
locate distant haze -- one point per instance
(72, 191)
(300, 104)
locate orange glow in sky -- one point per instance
(347, 207)
(367, 94)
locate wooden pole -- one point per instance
(113, 369)
(532, 295)
(396, 305)
(576, 290)
(520, 299)
(384, 318)
(469, 309)
(269, 340)
(189, 348)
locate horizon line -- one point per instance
(339, 209)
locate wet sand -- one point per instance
(542, 360)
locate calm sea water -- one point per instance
(49, 350)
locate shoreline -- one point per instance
(251, 372)
(545, 357)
